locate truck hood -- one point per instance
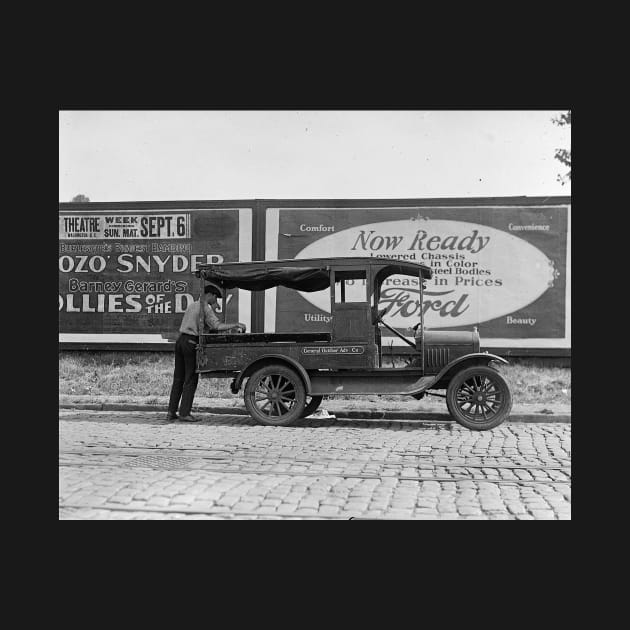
(450, 337)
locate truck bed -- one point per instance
(266, 338)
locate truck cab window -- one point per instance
(350, 286)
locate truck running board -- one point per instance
(396, 383)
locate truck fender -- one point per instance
(474, 358)
(266, 359)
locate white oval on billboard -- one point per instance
(479, 272)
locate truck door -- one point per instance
(350, 307)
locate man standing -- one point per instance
(185, 377)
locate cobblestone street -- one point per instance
(134, 465)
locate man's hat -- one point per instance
(212, 288)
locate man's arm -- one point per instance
(214, 324)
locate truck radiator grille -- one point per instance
(436, 357)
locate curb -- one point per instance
(354, 414)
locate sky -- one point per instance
(204, 155)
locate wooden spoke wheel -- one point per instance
(275, 395)
(312, 405)
(478, 398)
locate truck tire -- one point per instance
(275, 395)
(478, 398)
(312, 405)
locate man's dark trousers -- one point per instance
(185, 378)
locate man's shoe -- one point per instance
(171, 416)
(188, 419)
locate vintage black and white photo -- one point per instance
(315, 314)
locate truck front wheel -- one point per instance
(478, 398)
(275, 395)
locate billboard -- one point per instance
(126, 273)
(502, 269)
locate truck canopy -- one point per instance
(306, 275)
(258, 278)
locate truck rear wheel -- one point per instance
(478, 398)
(275, 395)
